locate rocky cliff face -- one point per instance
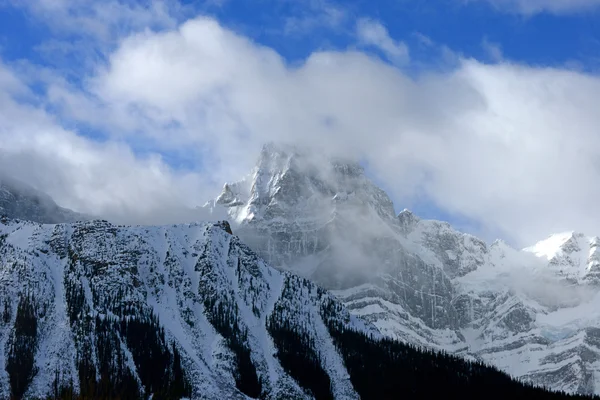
(422, 281)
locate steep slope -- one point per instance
(93, 310)
(193, 296)
(418, 281)
(21, 201)
(326, 221)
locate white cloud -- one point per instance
(314, 14)
(105, 179)
(104, 20)
(373, 33)
(510, 146)
(493, 50)
(530, 7)
(424, 40)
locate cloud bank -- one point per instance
(531, 7)
(171, 114)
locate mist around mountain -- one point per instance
(406, 289)
(419, 281)
(20, 201)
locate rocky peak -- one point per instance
(572, 255)
(573, 243)
(230, 196)
(407, 220)
(225, 226)
(289, 181)
(553, 244)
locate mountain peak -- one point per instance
(554, 244)
(290, 179)
(407, 219)
(275, 155)
(270, 149)
(571, 254)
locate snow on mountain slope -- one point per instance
(551, 246)
(202, 301)
(437, 243)
(416, 280)
(325, 220)
(572, 255)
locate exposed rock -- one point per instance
(417, 280)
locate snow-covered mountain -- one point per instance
(572, 255)
(94, 310)
(190, 311)
(201, 283)
(422, 281)
(21, 201)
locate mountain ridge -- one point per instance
(417, 280)
(91, 309)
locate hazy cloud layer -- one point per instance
(103, 20)
(530, 7)
(314, 14)
(510, 146)
(373, 33)
(101, 178)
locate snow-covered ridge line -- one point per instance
(571, 254)
(203, 302)
(188, 311)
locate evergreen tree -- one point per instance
(224, 319)
(295, 350)
(20, 363)
(383, 369)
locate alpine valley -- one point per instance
(314, 289)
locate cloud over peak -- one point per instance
(510, 146)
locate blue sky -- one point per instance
(466, 110)
(543, 39)
(296, 28)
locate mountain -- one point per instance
(572, 255)
(94, 310)
(420, 281)
(21, 201)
